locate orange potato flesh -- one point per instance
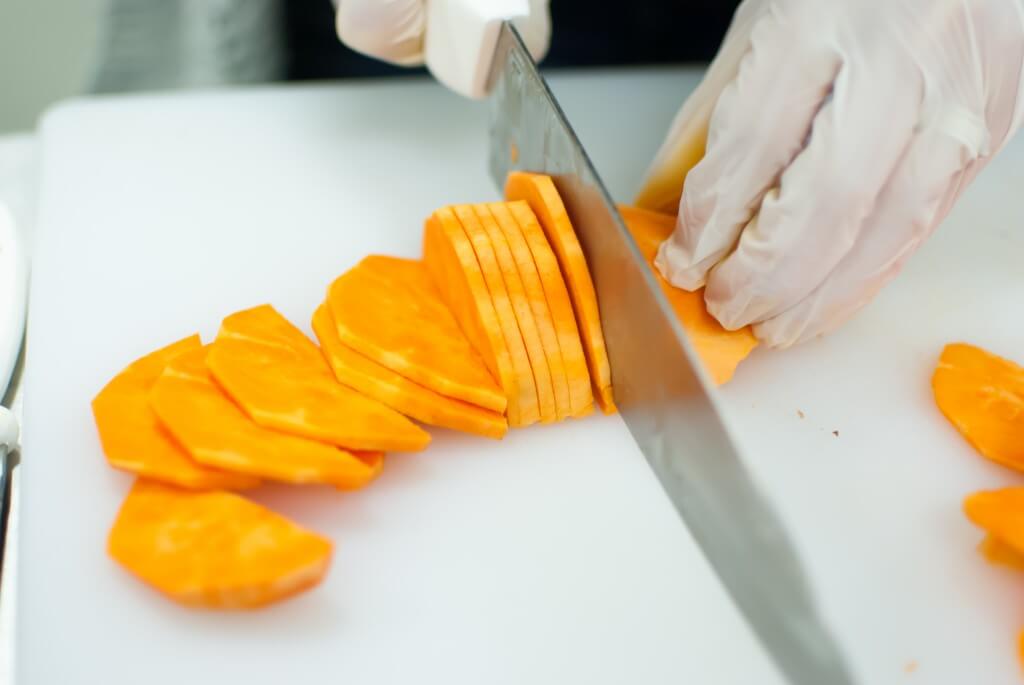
(286, 384)
(534, 291)
(216, 432)
(397, 391)
(982, 395)
(389, 310)
(719, 349)
(526, 399)
(523, 313)
(132, 437)
(451, 263)
(570, 345)
(539, 191)
(214, 549)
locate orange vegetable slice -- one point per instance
(534, 291)
(1000, 513)
(983, 396)
(216, 432)
(719, 349)
(526, 398)
(397, 391)
(452, 264)
(286, 384)
(577, 374)
(539, 191)
(214, 549)
(133, 439)
(1001, 554)
(389, 310)
(523, 313)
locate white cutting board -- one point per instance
(551, 557)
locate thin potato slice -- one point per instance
(538, 190)
(523, 313)
(719, 349)
(983, 396)
(526, 399)
(1000, 513)
(133, 439)
(577, 374)
(282, 385)
(534, 292)
(397, 391)
(389, 310)
(216, 432)
(451, 262)
(214, 549)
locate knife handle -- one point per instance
(461, 37)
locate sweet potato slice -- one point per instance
(983, 396)
(397, 391)
(577, 374)
(133, 439)
(526, 399)
(1000, 553)
(539, 192)
(216, 432)
(389, 310)
(719, 349)
(452, 265)
(523, 313)
(1000, 513)
(282, 385)
(214, 549)
(534, 292)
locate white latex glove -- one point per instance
(840, 133)
(454, 38)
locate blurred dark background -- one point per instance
(584, 34)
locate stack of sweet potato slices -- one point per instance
(497, 326)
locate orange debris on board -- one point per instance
(570, 345)
(523, 313)
(526, 398)
(389, 310)
(397, 391)
(982, 395)
(720, 350)
(452, 264)
(132, 437)
(539, 191)
(216, 432)
(214, 549)
(280, 379)
(534, 291)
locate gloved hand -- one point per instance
(454, 38)
(839, 134)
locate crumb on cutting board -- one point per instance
(801, 414)
(910, 667)
(835, 433)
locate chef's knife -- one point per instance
(661, 389)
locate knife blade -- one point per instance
(661, 389)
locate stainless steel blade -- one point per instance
(661, 390)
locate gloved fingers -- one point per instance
(758, 126)
(684, 143)
(535, 29)
(389, 30)
(921, 191)
(824, 196)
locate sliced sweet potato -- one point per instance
(999, 553)
(1000, 513)
(663, 185)
(526, 399)
(216, 432)
(271, 373)
(397, 391)
(523, 313)
(983, 396)
(720, 350)
(133, 439)
(214, 549)
(539, 192)
(451, 262)
(581, 398)
(389, 310)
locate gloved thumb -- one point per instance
(388, 30)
